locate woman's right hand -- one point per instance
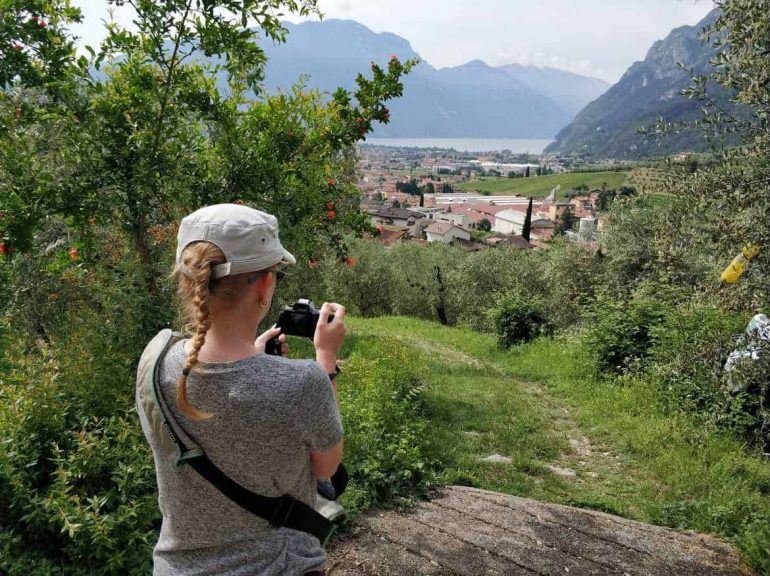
(329, 336)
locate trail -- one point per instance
(467, 531)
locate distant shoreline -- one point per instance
(515, 145)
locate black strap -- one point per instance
(281, 511)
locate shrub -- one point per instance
(691, 347)
(747, 401)
(518, 319)
(385, 425)
(481, 277)
(622, 332)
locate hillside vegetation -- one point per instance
(541, 186)
(575, 439)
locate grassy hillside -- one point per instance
(541, 186)
(575, 440)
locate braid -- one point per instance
(201, 323)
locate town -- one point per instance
(427, 195)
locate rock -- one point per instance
(564, 472)
(471, 532)
(498, 458)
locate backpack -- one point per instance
(281, 511)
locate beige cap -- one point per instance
(247, 237)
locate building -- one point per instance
(445, 232)
(397, 218)
(497, 239)
(390, 236)
(512, 222)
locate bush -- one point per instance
(687, 360)
(747, 402)
(518, 319)
(623, 332)
(480, 277)
(385, 425)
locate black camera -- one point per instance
(297, 320)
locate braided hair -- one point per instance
(195, 288)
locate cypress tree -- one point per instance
(422, 200)
(527, 227)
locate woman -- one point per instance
(270, 423)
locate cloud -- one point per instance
(340, 8)
(541, 60)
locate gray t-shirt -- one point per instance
(269, 414)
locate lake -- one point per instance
(515, 145)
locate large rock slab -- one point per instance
(469, 532)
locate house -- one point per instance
(390, 236)
(470, 245)
(498, 239)
(512, 222)
(445, 232)
(397, 218)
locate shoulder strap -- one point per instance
(281, 511)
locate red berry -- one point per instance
(350, 262)
(313, 262)
(332, 214)
(73, 254)
(331, 182)
(42, 24)
(330, 205)
(3, 249)
(18, 112)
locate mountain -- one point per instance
(649, 90)
(472, 100)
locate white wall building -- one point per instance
(445, 232)
(512, 222)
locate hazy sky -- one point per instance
(595, 37)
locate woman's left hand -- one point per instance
(262, 339)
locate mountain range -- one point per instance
(649, 91)
(471, 100)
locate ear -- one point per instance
(262, 284)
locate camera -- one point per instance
(300, 319)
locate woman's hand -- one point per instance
(329, 336)
(269, 334)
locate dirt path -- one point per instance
(470, 532)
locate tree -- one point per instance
(447, 188)
(485, 225)
(527, 227)
(539, 171)
(526, 172)
(153, 136)
(422, 200)
(430, 188)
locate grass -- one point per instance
(539, 405)
(541, 186)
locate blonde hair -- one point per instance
(195, 289)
